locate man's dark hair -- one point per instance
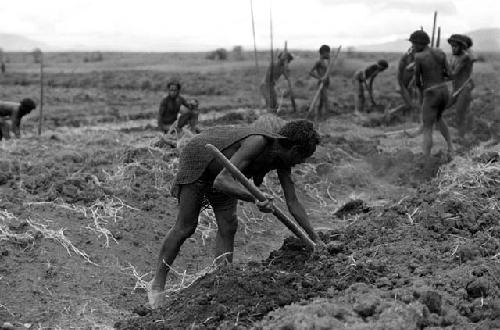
(420, 37)
(383, 64)
(26, 105)
(300, 133)
(174, 82)
(324, 49)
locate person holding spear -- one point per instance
(273, 74)
(201, 180)
(319, 71)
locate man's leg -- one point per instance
(4, 129)
(227, 222)
(273, 99)
(190, 200)
(359, 97)
(443, 128)
(429, 117)
(462, 106)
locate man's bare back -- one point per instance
(431, 68)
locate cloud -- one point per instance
(444, 7)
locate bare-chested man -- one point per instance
(14, 112)
(460, 72)
(431, 72)
(360, 82)
(170, 107)
(319, 71)
(202, 179)
(268, 86)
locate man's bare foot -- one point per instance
(155, 298)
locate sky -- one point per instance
(200, 25)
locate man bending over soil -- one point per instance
(431, 72)
(360, 81)
(14, 112)
(170, 107)
(201, 180)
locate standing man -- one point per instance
(14, 111)
(201, 179)
(268, 86)
(170, 107)
(360, 79)
(461, 73)
(318, 72)
(431, 72)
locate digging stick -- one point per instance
(290, 90)
(316, 95)
(259, 195)
(455, 95)
(434, 29)
(40, 119)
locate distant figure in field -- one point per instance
(406, 79)
(170, 108)
(431, 73)
(360, 82)
(268, 85)
(2, 67)
(202, 180)
(318, 72)
(461, 64)
(14, 111)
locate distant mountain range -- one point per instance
(485, 40)
(15, 42)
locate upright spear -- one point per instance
(40, 119)
(254, 43)
(271, 68)
(438, 40)
(434, 28)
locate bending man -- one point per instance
(202, 179)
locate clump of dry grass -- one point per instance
(6, 234)
(465, 173)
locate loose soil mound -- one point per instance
(428, 260)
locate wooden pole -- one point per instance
(316, 95)
(438, 40)
(254, 43)
(40, 120)
(434, 28)
(259, 195)
(271, 67)
(288, 79)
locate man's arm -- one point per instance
(370, 88)
(293, 204)
(418, 73)
(161, 111)
(250, 148)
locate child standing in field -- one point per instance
(318, 72)
(170, 107)
(360, 79)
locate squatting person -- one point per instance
(201, 179)
(431, 73)
(170, 107)
(14, 111)
(360, 81)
